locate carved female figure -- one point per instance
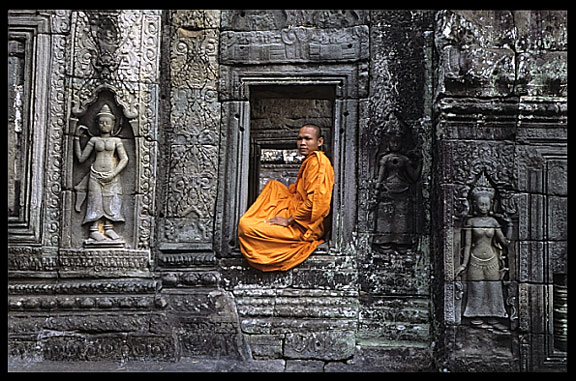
(483, 260)
(102, 184)
(397, 173)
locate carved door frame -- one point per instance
(32, 33)
(235, 148)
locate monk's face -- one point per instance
(308, 141)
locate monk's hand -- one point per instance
(280, 221)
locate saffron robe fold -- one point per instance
(274, 247)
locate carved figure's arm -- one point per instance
(501, 238)
(82, 155)
(123, 158)
(381, 171)
(467, 248)
(414, 172)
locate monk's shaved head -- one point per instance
(317, 128)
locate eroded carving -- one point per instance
(295, 45)
(398, 170)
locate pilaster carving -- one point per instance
(193, 135)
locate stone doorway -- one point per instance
(276, 115)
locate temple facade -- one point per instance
(138, 138)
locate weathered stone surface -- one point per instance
(515, 141)
(248, 19)
(331, 345)
(294, 45)
(542, 73)
(500, 53)
(541, 30)
(402, 321)
(386, 359)
(196, 18)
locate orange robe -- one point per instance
(273, 247)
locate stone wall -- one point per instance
(421, 110)
(500, 114)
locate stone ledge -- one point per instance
(184, 365)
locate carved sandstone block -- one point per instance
(336, 345)
(260, 19)
(541, 29)
(543, 73)
(295, 45)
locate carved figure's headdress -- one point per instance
(394, 126)
(483, 187)
(105, 110)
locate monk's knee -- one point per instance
(243, 227)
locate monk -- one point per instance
(285, 224)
